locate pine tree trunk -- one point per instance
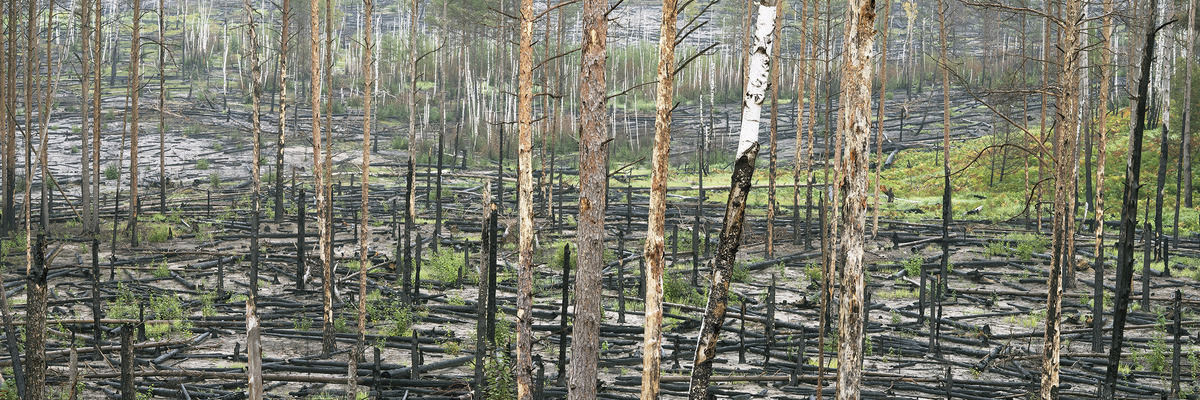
(655, 229)
(1066, 176)
(585, 341)
(327, 343)
(284, 27)
(135, 53)
(524, 361)
(856, 125)
(1186, 147)
(364, 224)
(1106, 71)
(883, 70)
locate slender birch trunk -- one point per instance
(757, 81)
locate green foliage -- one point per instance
(125, 306)
(111, 172)
(214, 179)
(1027, 244)
(202, 164)
(501, 383)
(813, 272)
(162, 270)
(444, 266)
(390, 316)
(912, 266)
(170, 308)
(676, 289)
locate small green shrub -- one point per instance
(202, 164)
(111, 172)
(444, 266)
(912, 266)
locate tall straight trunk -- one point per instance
(1106, 71)
(1066, 176)
(284, 27)
(856, 125)
(8, 213)
(1186, 148)
(85, 154)
(327, 343)
(758, 73)
(593, 159)
(135, 56)
(947, 200)
(775, 88)
(655, 224)
(162, 109)
(524, 361)
(254, 387)
(1125, 241)
(97, 124)
(801, 80)
(883, 70)
(35, 316)
(411, 203)
(364, 225)
(48, 86)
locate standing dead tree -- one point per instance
(1106, 71)
(524, 361)
(1126, 238)
(364, 226)
(655, 228)
(855, 123)
(319, 183)
(757, 82)
(1066, 176)
(254, 379)
(593, 158)
(135, 60)
(285, 11)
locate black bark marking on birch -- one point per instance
(722, 264)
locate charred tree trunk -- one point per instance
(135, 59)
(254, 379)
(1125, 241)
(758, 71)
(364, 225)
(327, 337)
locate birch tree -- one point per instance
(655, 228)
(855, 123)
(757, 84)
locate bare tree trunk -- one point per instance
(1125, 241)
(802, 80)
(1106, 71)
(883, 70)
(284, 27)
(593, 158)
(411, 203)
(85, 156)
(97, 123)
(35, 315)
(1186, 147)
(524, 361)
(758, 71)
(135, 56)
(8, 214)
(856, 125)
(162, 109)
(254, 387)
(364, 226)
(775, 88)
(327, 342)
(655, 229)
(1062, 264)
